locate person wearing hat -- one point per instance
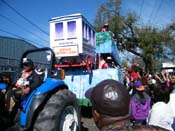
(140, 104)
(105, 28)
(23, 83)
(111, 107)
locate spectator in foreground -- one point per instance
(172, 106)
(161, 115)
(110, 100)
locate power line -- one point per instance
(25, 17)
(20, 37)
(23, 28)
(141, 8)
(171, 7)
(152, 11)
(156, 13)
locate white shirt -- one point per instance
(161, 115)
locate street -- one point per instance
(88, 124)
(87, 121)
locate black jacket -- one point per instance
(34, 80)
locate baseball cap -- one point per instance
(110, 97)
(138, 86)
(27, 61)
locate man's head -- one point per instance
(110, 98)
(27, 64)
(106, 26)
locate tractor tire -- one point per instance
(61, 113)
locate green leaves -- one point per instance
(147, 42)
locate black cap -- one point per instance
(27, 61)
(110, 97)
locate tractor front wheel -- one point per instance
(61, 113)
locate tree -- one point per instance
(147, 42)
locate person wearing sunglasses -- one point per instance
(24, 82)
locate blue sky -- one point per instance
(39, 12)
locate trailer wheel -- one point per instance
(61, 113)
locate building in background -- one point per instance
(11, 50)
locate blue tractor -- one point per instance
(50, 107)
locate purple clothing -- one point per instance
(139, 108)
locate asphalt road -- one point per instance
(87, 121)
(88, 124)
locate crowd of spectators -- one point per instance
(149, 99)
(143, 102)
(152, 96)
